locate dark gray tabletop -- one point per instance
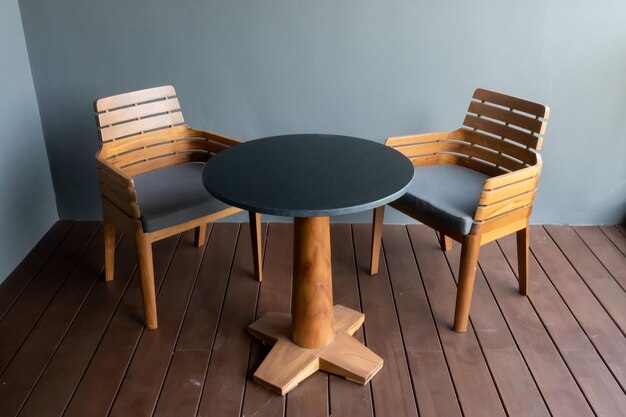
(308, 175)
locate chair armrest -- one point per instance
(214, 137)
(508, 192)
(393, 142)
(117, 187)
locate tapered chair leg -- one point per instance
(444, 241)
(257, 244)
(522, 259)
(200, 235)
(109, 250)
(377, 232)
(146, 273)
(467, 275)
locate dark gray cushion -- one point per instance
(446, 193)
(173, 195)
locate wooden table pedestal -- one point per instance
(315, 335)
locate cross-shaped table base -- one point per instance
(287, 363)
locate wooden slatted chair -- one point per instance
(149, 168)
(474, 184)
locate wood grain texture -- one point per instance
(392, 390)
(21, 276)
(101, 381)
(557, 351)
(500, 137)
(312, 293)
(62, 375)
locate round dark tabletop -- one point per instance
(308, 175)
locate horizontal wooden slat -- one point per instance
(452, 159)
(508, 116)
(139, 111)
(126, 99)
(494, 196)
(511, 149)
(124, 194)
(504, 206)
(513, 177)
(165, 161)
(499, 226)
(114, 174)
(143, 125)
(461, 148)
(165, 135)
(507, 132)
(424, 137)
(158, 150)
(525, 106)
(131, 209)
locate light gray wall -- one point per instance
(27, 205)
(363, 68)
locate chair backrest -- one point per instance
(144, 130)
(504, 131)
(500, 134)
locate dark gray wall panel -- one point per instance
(360, 68)
(27, 205)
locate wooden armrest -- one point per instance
(214, 137)
(114, 172)
(117, 187)
(508, 192)
(458, 134)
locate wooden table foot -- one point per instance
(287, 363)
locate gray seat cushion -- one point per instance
(173, 195)
(446, 193)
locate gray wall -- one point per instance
(27, 205)
(364, 68)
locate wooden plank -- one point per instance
(21, 276)
(391, 387)
(551, 374)
(140, 96)
(486, 125)
(100, 383)
(346, 398)
(432, 383)
(517, 119)
(274, 295)
(597, 278)
(23, 315)
(475, 387)
(143, 125)
(606, 252)
(225, 379)
(594, 378)
(183, 385)
(616, 236)
(516, 103)
(181, 395)
(601, 330)
(58, 382)
(144, 378)
(28, 363)
(139, 111)
(520, 395)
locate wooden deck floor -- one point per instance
(72, 345)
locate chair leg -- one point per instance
(377, 232)
(200, 236)
(467, 275)
(109, 250)
(257, 244)
(445, 242)
(522, 259)
(146, 273)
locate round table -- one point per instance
(310, 177)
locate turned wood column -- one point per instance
(312, 297)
